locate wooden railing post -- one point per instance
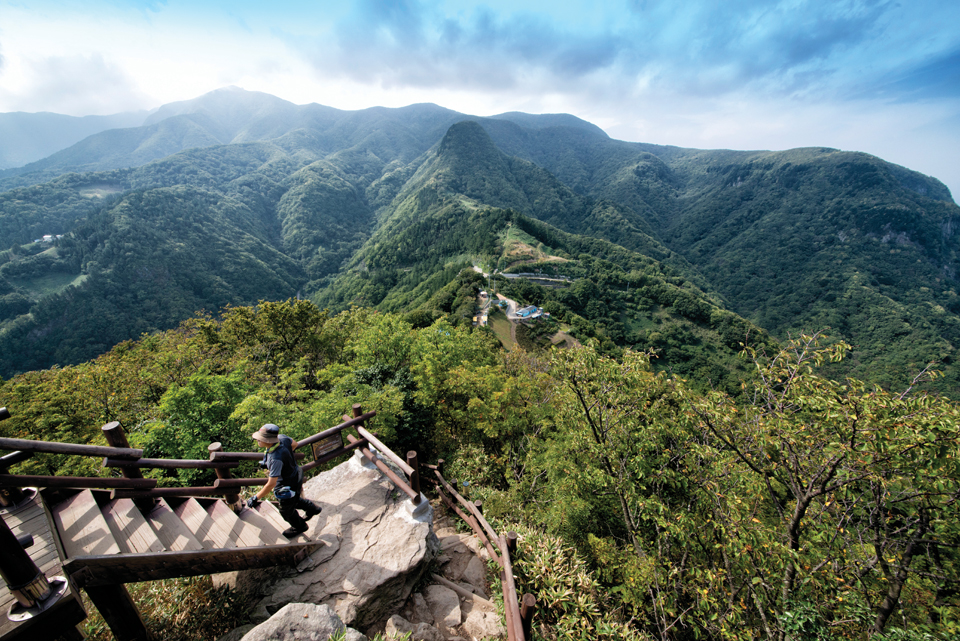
(512, 541)
(119, 611)
(414, 475)
(528, 608)
(9, 496)
(233, 500)
(117, 438)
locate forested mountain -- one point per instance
(238, 196)
(689, 467)
(28, 137)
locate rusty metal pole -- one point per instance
(24, 579)
(233, 500)
(528, 607)
(415, 475)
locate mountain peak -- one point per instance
(468, 137)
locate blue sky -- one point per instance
(868, 75)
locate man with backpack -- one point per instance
(284, 479)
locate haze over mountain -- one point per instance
(238, 196)
(28, 137)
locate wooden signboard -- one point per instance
(331, 443)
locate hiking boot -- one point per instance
(312, 512)
(291, 532)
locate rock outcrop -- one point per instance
(299, 621)
(377, 547)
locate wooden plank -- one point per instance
(242, 534)
(211, 533)
(270, 512)
(130, 529)
(82, 528)
(170, 529)
(130, 568)
(266, 532)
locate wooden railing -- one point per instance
(518, 619)
(326, 446)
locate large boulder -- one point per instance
(377, 548)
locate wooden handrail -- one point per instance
(51, 447)
(400, 483)
(511, 603)
(223, 484)
(163, 463)
(472, 522)
(385, 450)
(246, 456)
(13, 458)
(29, 480)
(337, 428)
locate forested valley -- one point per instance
(801, 507)
(736, 419)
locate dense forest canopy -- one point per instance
(802, 507)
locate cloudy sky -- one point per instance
(881, 76)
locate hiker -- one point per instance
(284, 479)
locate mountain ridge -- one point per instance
(796, 240)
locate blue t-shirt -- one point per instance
(274, 459)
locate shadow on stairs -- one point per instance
(108, 541)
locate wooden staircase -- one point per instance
(105, 542)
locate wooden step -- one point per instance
(265, 529)
(171, 531)
(270, 512)
(129, 527)
(82, 528)
(212, 533)
(243, 534)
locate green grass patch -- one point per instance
(498, 322)
(48, 283)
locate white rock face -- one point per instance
(298, 621)
(376, 548)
